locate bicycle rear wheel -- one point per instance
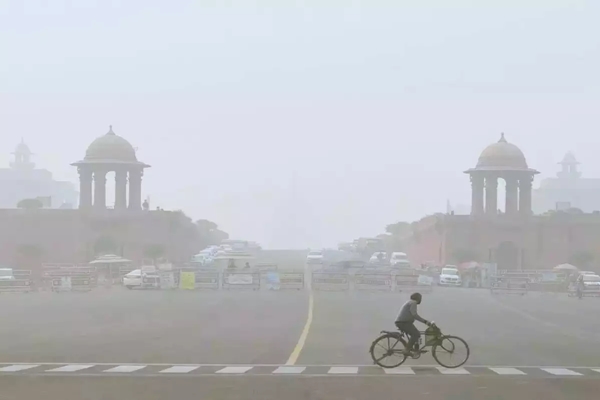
(387, 350)
(451, 346)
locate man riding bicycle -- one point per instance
(405, 321)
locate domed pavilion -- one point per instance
(501, 160)
(110, 153)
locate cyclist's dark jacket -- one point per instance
(408, 313)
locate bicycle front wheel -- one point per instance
(451, 351)
(387, 351)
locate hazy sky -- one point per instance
(352, 114)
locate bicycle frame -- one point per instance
(438, 338)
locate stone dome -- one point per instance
(569, 158)
(110, 147)
(22, 148)
(503, 156)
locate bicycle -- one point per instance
(440, 344)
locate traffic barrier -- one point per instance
(424, 283)
(67, 279)
(373, 281)
(21, 281)
(406, 283)
(206, 279)
(241, 280)
(330, 281)
(291, 280)
(509, 285)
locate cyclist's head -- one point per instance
(416, 297)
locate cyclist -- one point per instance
(405, 321)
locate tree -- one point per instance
(209, 233)
(399, 228)
(105, 245)
(154, 251)
(464, 255)
(30, 204)
(581, 259)
(29, 256)
(29, 250)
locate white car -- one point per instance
(133, 279)
(591, 282)
(399, 260)
(379, 256)
(450, 277)
(314, 257)
(6, 274)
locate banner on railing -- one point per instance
(291, 280)
(330, 281)
(241, 280)
(373, 281)
(187, 280)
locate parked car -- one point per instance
(315, 257)
(133, 279)
(450, 276)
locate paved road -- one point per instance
(520, 346)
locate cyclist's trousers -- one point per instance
(412, 332)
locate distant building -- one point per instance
(516, 238)
(567, 190)
(30, 238)
(23, 181)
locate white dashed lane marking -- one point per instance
(399, 371)
(180, 369)
(343, 370)
(234, 370)
(561, 371)
(453, 371)
(71, 368)
(18, 367)
(74, 369)
(508, 371)
(126, 368)
(289, 370)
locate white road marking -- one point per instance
(180, 369)
(289, 370)
(453, 371)
(399, 371)
(125, 368)
(508, 371)
(596, 369)
(560, 371)
(234, 370)
(70, 368)
(18, 367)
(343, 370)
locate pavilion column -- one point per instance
(512, 196)
(85, 187)
(525, 186)
(135, 189)
(477, 184)
(491, 195)
(100, 189)
(120, 189)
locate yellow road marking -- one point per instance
(300, 345)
